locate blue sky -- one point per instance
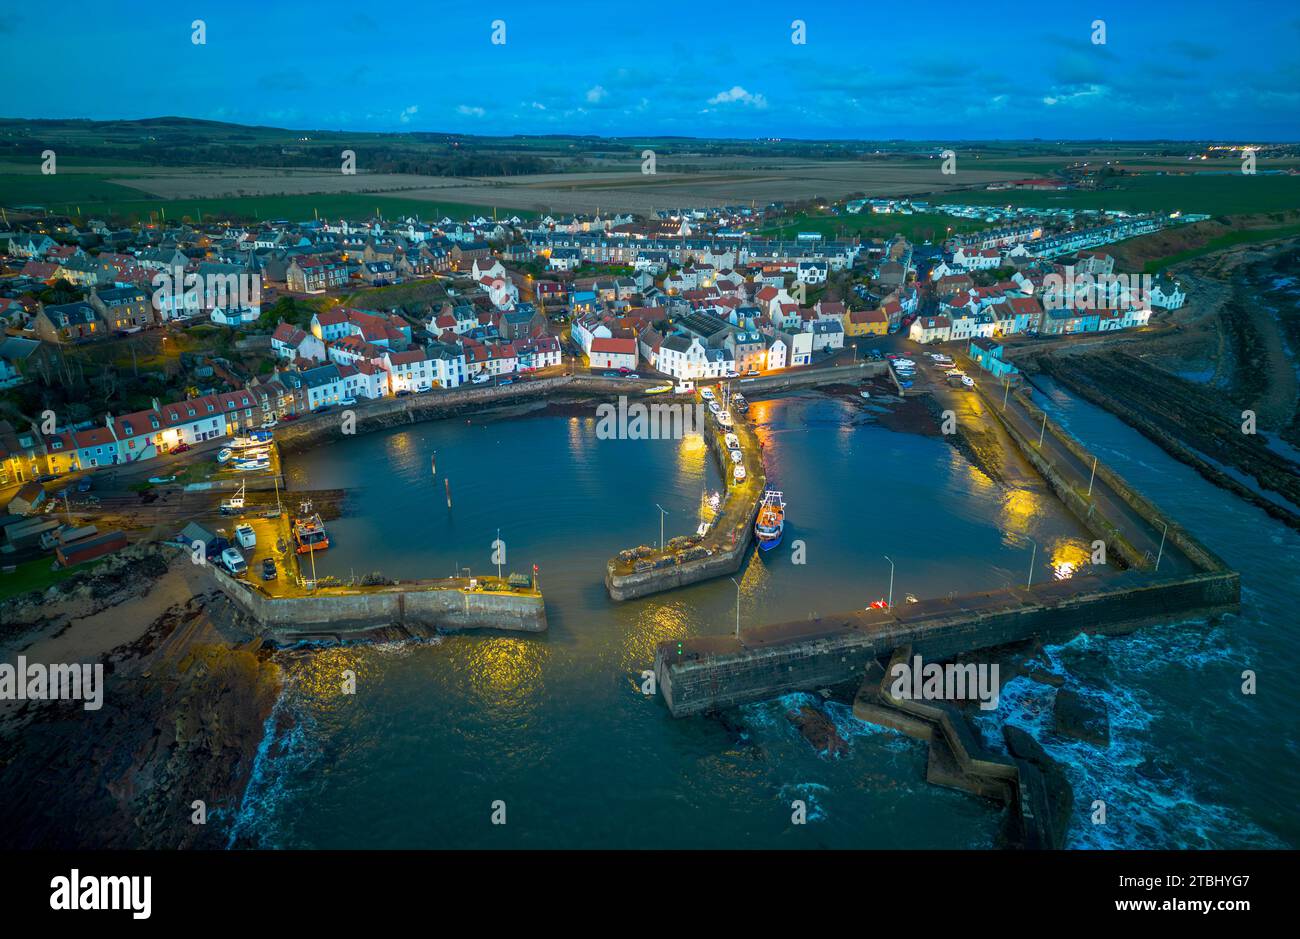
(945, 71)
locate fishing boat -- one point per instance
(224, 455)
(879, 604)
(309, 531)
(235, 504)
(738, 403)
(770, 523)
(252, 466)
(659, 389)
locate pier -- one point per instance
(416, 607)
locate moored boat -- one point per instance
(770, 523)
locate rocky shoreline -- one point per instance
(185, 703)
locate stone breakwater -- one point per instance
(713, 672)
(412, 608)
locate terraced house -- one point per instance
(315, 275)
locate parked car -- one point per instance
(181, 448)
(323, 409)
(609, 375)
(751, 373)
(632, 375)
(268, 569)
(505, 381)
(290, 417)
(84, 484)
(347, 402)
(481, 378)
(403, 393)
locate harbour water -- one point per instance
(556, 727)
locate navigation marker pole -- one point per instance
(891, 581)
(1042, 433)
(1092, 477)
(737, 583)
(1162, 545)
(1033, 558)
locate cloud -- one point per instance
(408, 113)
(739, 94)
(1068, 96)
(596, 94)
(470, 111)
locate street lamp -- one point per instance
(737, 583)
(891, 581)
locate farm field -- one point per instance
(258, 192)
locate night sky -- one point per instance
(950, 71)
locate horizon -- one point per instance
(1151, 79)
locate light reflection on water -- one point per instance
(556, 724)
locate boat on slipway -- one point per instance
(309, 531)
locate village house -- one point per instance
(314, 275)
(291, 343)
(122, 309)
(68, 322)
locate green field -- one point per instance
(1212, 194)
(32, 575)
(86, 195)
(1230, 240)
(919, 227)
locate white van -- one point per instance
(233, 561)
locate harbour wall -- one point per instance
(730, 538)
(386, 413)
(716, 672)
(1202, 557)
(418, 607)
